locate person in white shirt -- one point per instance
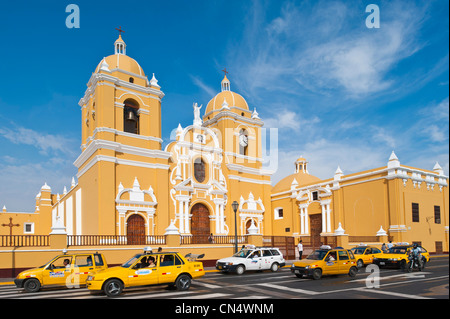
(300, 249)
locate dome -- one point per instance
(123, 62)
(302, 179)
(120, 60)
(226, 98)
(301, 176)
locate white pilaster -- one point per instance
(222, 219)
(324, 220)
(186, 217)
(328, 218)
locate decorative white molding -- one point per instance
(339, 231)
(381, 232)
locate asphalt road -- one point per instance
(432, 283)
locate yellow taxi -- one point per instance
(147, 269)
(70, 270)
(325, 261)
(365, 254)
(397, 256)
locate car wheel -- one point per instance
(183, 282)
(274, 267)
(32, 285)
(317, 274)
(240, 269)
(113, 288)
(360, 263)
(353, 271)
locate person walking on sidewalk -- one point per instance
(300, 249)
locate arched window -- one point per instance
(131, 116)
(199, 170)
(243, 142)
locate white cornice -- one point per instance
(441, 179)
(249, 170)
(120, 133)
(245, 157)
(96, 77)
(248, 180)
(118, 147)
(223, 112)
(104, 158)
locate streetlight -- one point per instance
(235, 206)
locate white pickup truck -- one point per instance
(253, 258)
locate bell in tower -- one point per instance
(131, 117)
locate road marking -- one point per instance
(253, 297)
(206, 285)
(156, 295)
(207, 296)
(407, 276)
(391, 293)
(296, 290)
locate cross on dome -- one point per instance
(120, 30)
(119, 45)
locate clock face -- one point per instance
(243, 140)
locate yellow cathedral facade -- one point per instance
(127, 184)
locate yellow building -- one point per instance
(393, 202)
(128, 185)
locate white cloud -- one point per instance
(324, 156)
(42, 141)
(325, 52)
(20, 182)
(206, 88)
(433, 122)
(287, 119)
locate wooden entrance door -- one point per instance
(200, 229)
(315, 222)
(136, 230)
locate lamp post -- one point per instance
(235, 206)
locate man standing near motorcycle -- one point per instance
(416, 255)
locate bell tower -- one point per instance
(240, 131)
(121, 138)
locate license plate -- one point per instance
(382, 263)
(220, 267)
(296, 271)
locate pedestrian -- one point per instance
(383, 247)
(390, 244)
(300, 249)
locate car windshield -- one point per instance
(318, 254)
(358, 250)
(131, 261)
(398, 250)
(243, 253)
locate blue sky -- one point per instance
(338, 92)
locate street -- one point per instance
(431, 283)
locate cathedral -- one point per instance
(127, 184)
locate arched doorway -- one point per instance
(200, 228)
(315, 222)
(136, 230)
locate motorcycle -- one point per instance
(413, 263)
